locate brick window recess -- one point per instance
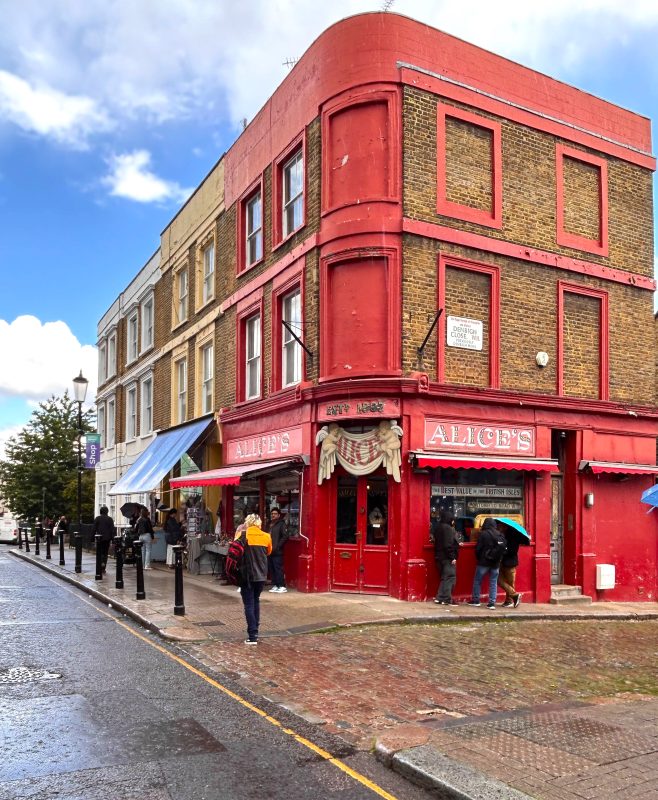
(251, 228)
(180, 296)
(207, 378)
(581, 201)
(180, 388)
(288, 363)
(469, 167)
(582, 342)
(249, 353)
(146, 416)
(470, 290)
(289, 193)
(205, 271)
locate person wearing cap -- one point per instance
(257, 549)
(279, 533)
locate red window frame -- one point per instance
(241, 234)
(494, 314)
(597, 246)
(298, 144)
(448, 208)
(563, 287)
(249, 307)
(285, 284)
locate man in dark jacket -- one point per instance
(104, 526)
(489, 550)
(446, 550)
(257, 548)
(507, 574)
(279, 533)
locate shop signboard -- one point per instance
(92, 450)
(452, 436)
(268, 446)
(383, 407)
(464, 333)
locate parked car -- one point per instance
(8, 530)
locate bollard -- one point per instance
(78, 551)
(37, 538)
(20, 535)
(27, 538)
(118, 555)
(49, 539)
(62, 562)
(179, 603)
(99, 558)
(141, 594)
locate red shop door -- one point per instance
(360, 550)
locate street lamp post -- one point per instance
(79, 393)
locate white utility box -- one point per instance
(605, 576)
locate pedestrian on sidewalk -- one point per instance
(489, 551)
(173, 535)
(104, 526)
(145, 534)
(258, 546)
(446, 550)
(279, 533)
(62, 527)
(508, 565)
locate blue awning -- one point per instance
(159, 457)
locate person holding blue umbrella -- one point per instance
(515, 535)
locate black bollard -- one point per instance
(49, 539)
(62, 562)
(20, 535)
(141, 594)
(179, 602)
(78, 551)
(99, 558)
(118, 555)
(37, 538)
(27, 538)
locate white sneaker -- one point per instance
(282, 589)
(274, 589)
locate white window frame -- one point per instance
(252, 348)
(181, 298)
(207, 378)
(132, 338)
(291, 350)
(146, 406)
(289, 201)
(253, 229)
(208, 277)
(181, 390)
(111, 355)
(102, 496)
(102, 362)
(131, 413)
(148, 322)
(110, 421)
(112, 502)
(100, 424)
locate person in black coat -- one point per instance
(104, 526)
(279, 533)
(446, 550)
(489, 550)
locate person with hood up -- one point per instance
(446, 550)
(489, 551)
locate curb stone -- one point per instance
(447, 779)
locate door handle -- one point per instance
(362, 568)
(362, 510)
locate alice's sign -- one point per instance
(470, 437)
(265, 447)
(465, 333)
(353, 409)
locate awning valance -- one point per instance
(434, 460)
(231, 476)
(616, 468)
(159, 457)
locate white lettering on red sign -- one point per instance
(473, 437)
(265, 446)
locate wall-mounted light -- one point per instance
(541, 358)
(589, 500)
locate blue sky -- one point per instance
(110, 112)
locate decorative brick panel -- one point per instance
(468, 294)
(582, 189)
(582, 336)
(469, 164)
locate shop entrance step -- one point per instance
(563, 595)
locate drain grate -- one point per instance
(213, 623)
(26, 675)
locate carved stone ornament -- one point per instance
(360, 453)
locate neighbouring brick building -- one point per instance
(399, 173)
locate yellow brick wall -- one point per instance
(469, 160)
(581, 333)
(467, 294)
(582, 198)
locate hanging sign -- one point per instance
(92, 450)
(360, 453)
(470, 437)
(465, 333)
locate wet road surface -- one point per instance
(93, 707)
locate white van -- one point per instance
(8, 530)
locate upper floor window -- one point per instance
(102, 363)
(293, 194)
(180, 296)
(208, 291)
(207, 378)
(254, 229)
(291, 314)
(111, 355)
(110, 422)
(252, 357)
(100, 424)
(181, 390)
(131, 413)
(146, 426)
(133, 327)
(147, 323)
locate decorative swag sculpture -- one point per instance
(360, 453)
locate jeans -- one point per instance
(146, 541)
(250, 593)
(506, 581)
(480, 572)
(448, 573)
(276, 569)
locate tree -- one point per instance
(40, 464)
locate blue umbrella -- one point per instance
(515, 525)
(650, 496)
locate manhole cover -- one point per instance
(26, 675)
(213, 623)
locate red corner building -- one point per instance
(433, 290)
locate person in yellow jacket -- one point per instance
(258, 548)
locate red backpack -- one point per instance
(236, 562)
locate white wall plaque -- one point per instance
(465, 333)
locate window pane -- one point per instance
(292, 351)
(100, 424)
(293, 194)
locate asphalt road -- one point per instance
(92, 706)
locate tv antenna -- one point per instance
(290, 62)
(386, 5)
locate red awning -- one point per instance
(230, 476)
(485, 462)
(597, 467)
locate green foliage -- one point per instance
(40, 465)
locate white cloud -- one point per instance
(42, 110)
(7, 433)
(39, 359)
(130, 177)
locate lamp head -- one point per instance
(80, 388)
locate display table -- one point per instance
(217, 553)
(199, 561)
